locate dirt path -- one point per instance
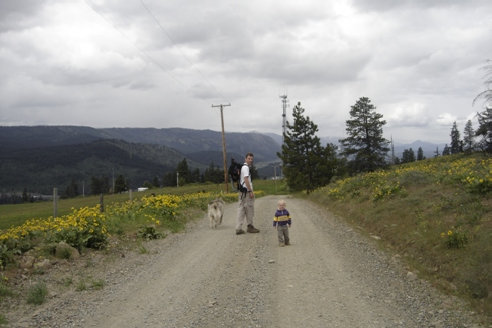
(329, 277)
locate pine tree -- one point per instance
(468, 137)
(184, 172)
(365, 146)
(446, 150)
(169, 179)
(486, 95)
(213, 174)
(456, 145)
(408, 156)
(485, 118)
(72, 189)
(420, 154)
(120, 185)
(306, 164)
(485, 129)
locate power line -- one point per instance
(142, 53)
(182, 54)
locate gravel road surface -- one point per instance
(330, 276)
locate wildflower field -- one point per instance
(149, 217)
(435, 213)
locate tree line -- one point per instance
(307, 165)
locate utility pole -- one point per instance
(223, 143)
(284, 107)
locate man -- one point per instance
(246, 209)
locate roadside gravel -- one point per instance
(331, 276)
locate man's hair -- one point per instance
(249, 154)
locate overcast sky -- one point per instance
(151, 63)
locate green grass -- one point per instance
(271, 187)
(3, 320)
(436, 214)
(5, 291)
(17, 214)
(37, 293)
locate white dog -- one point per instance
(215, 212)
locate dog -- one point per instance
(215, 212)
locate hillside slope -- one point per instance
(186, 141)
(41, 169)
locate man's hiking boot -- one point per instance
(240, 231)
(252, 229)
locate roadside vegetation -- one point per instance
(435, 214)
(152, 214)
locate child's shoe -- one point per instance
(281, 244)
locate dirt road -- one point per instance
(330, 276)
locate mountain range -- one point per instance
(38, 158)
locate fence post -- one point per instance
(130, 192)
(101, 202)
(55, 202)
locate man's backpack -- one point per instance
(235, 173)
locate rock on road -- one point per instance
(331, 276)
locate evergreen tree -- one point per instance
(213, 174)
(25, 196)
(306, 164)
(169, 179)
(99, 185)
(72, 189)
(420, 154)
(486, 95)
(408, 156)
(196, 176)
(446, 150)
(365, 146)
(456, 145)
(155, 182)
(468, 135)
(120, 185)
(184, 172)
(485, 129)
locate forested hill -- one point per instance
(186, 141)
(42, 157)
(41, 169)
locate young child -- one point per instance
(282, 222)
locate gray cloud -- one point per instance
(162, 64)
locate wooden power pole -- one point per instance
(223, 143)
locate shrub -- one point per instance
(5, 291)
(37, 293)
(149, 232)
(455, 239)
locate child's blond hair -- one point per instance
(281, 202)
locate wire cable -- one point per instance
(182, 54)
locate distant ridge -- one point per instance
(38, 158)
(186, 141)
